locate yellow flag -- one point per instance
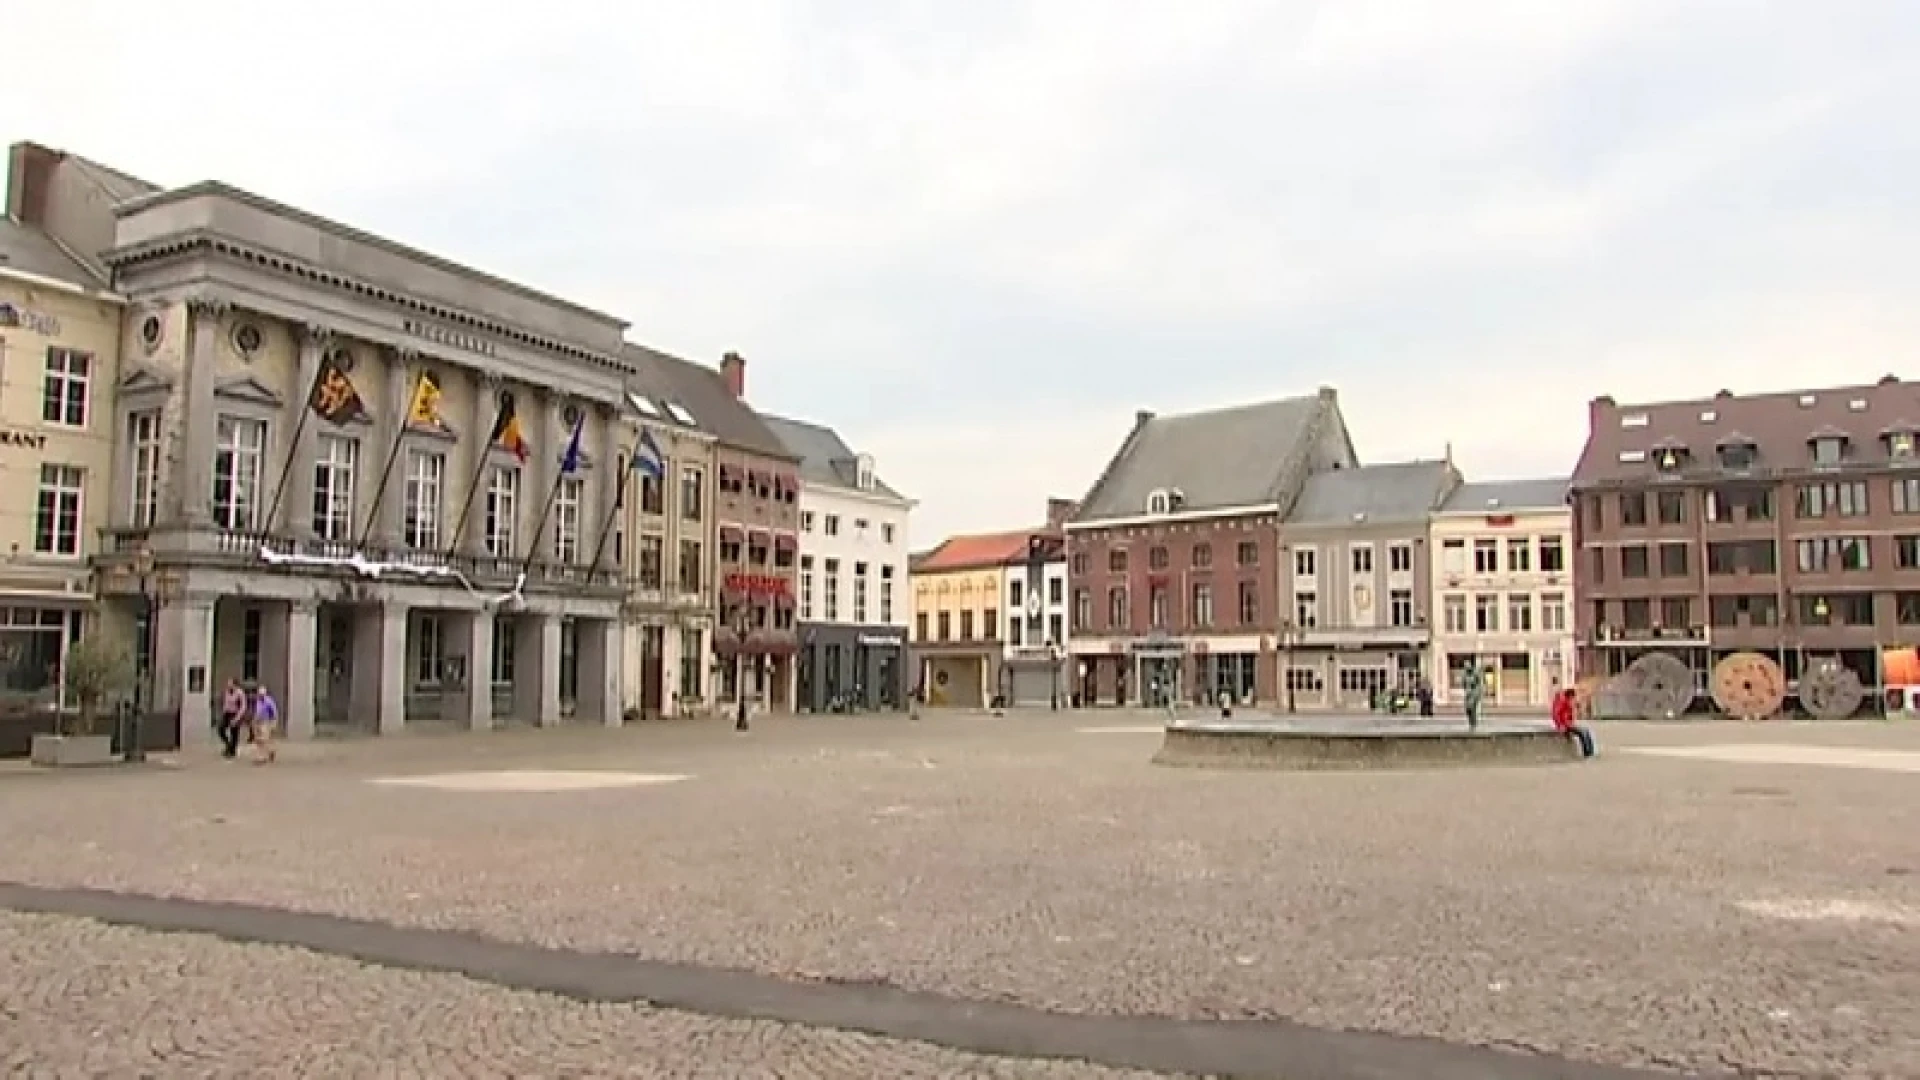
(425, 408)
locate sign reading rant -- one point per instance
(26, 440)
(12, 317)
(757, 584)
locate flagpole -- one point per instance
(393, 457)
(482, 457)
(606, 529)
(293, 445)
(553, 496)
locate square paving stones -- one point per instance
(535, 781)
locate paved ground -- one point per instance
(1649, 911)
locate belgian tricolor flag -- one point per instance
(507, 434)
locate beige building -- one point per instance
(59, 359)
(1503, 586)
(317, 488)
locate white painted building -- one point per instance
(855, 600)
(1038, 606)
(1503, 589)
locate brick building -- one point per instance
(1173, 555)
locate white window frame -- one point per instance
(1456, 613)
(1553, 612)
(239, 459)
(1306, 563)
(1306, 610)
(67, 388)
(336, 470)
(503, 511)
(806, 588)
(860, 594)
(428, 650)
(830, 589)
(424, 501)
(1360, 558)
(59, 511)
(143, 468)
(1400, 559)
(886, 596)
(832, 525)
(566, 520)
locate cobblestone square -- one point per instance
(1642, 910)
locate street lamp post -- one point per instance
(742, 622)
(132, 748)
(1286, 648)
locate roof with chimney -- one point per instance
(702, 396)
(1398, 493)
(1216, 459)
(825, 458)
(976, 552)
(27, 250)
(1736, 435)
(1508, 496)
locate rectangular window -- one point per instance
(1015, 590)
(1117, 607)
(1906, 494)
(966, 625)
(1519, 554)
(1362, 558)
(334, 472)
(1306, 610)
(426, 476)
(833, 525)
(806, 521)
(1117, 561)
(1486, 613)
(1202, 556)
(1400, 607)
(1673, 560)
(56, 518)
(1249, 604)
(1553, 555)
(504, 648)
(427, 653)
(1520, 613)
(1672, 508)
(1082, 609)
(143, 445)
(1486, 556)
(693, 493)
(1400, 559)
(946, 626)
(830, 589)
(1306, 562)
(1633, 508)
(566, 521)
(886, 595)
(1454, 609)
(1157, 606)
(860, 594)
(503, 511)
(239, 452)
(689, 570)
(806, 587)
(920, 626)
(1056, 587)
(653, 557)
(653, 493)
(68, 378)
(1634, 561)
(1906, 552)
(1553, 612)
(1453, 556)
(1014, 635)
(1055, 630)
(1202, 605)
(1248, 553)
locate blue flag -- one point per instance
(570, 461)
(647, 457)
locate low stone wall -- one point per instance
(1221, 747)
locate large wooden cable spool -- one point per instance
(1660, 686)
(1749, 685)
(1829, 690)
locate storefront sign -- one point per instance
(12, 317)
(26, 440)
(757, 584)
(881, 639)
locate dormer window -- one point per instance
(1901, 440)
(863, 472)
(1670, 456)
(1737, 452)
(1159, 502)
(1829, 446)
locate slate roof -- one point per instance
(30, 251)
(1780, 427)
(1405, 491)
(1506, 496)
(1216, 459)
(825, 458)
(702, 394)
(974, 552)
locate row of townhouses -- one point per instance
(267, 446)
(1246, 552)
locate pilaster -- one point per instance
(471, 704)
(402, 367)
(598, 654)
(487, 388)
(297, 506)
(536, 669)
(380, 667)
(184, 643)
(607, 488)
(297, 689)
(192, 465)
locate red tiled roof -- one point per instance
(970, 552)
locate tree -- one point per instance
(99, 670)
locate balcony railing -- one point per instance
(234, 548)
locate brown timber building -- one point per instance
(1787, 524)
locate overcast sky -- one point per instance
(976, 235)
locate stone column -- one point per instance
(296, 507)
(486, 405)
(606, 490)
(300, 643)
(183, 642)
(380, 666)
(471, 706)
(400, 377)
(597, 697)
(542, 471)
(194, 441)
(536, 669)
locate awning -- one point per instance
(772, 643)
(785, 542)
(758, 537)
(731, 534)
(725, 642)
(783, 600)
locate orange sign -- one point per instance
(757, 584)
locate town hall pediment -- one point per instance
(145, 380)
(249, 391)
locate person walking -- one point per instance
(266, 716)
(233, 714)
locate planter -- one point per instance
(72, 751)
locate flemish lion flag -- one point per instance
(424, 410)
(335, 399)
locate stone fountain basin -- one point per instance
(1355, 746)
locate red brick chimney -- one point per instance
(733, 368)
(1598, 410)
(1059, 510)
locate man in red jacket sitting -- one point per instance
(1564, 706)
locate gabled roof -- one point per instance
(1508, 496)
(1375, 494)
(1216, 459)
(702, 394)
(1781, 428)
(825, 458)
(975, 552)
(28, 250)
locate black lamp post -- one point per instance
(742, 622)
(1287, 631)
(132, 748)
